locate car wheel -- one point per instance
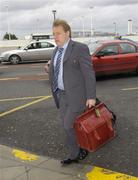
(14, 59)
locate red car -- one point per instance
(116, 56)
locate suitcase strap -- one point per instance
(97, 135)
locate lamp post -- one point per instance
(7, 8)
(115, 29)
(83, 30)
(37, 25)
(54, 13)
(92, 33)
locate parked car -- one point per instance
(34, 51)
(116, 56)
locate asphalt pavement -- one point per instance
(29, 120)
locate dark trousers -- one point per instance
(68, 117)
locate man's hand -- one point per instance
(47, 66)
(90, 103)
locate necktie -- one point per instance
(56, 69)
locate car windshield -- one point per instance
(93, 46)
(24, 46)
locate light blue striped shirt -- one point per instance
(60, 76)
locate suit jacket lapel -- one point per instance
(51, 70)
(52, 58)
(68, 51)
(53, 55)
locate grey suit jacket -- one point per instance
(78, 76)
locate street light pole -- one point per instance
(37, 24)
(83, 30)
(115, 29)
(92, 33)
(54, 13)
(7, 7)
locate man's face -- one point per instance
(60, 35)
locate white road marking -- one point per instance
(4, 67)
(128, 89)
(7, 79)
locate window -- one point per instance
(31, 46)
(46, 45)
(109, 50)
(127, 48)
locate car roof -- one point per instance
(43, 40)
(116, 41)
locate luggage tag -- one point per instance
(97, 113)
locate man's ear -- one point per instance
(68, 33)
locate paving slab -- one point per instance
(11, 173)
(20, 165)
(7, 163)
(42, 174)
(77, 170)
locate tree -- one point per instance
(9, 36)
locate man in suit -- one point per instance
(72, 83)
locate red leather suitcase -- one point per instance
(94, 127)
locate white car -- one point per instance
(34, 51)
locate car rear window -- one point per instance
(127, 48)
(46, 45)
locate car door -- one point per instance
(128, 58)
(46, 50)
(30, 52)
(105, 59)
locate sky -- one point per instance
(24, 17)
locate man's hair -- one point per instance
(64, 24)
